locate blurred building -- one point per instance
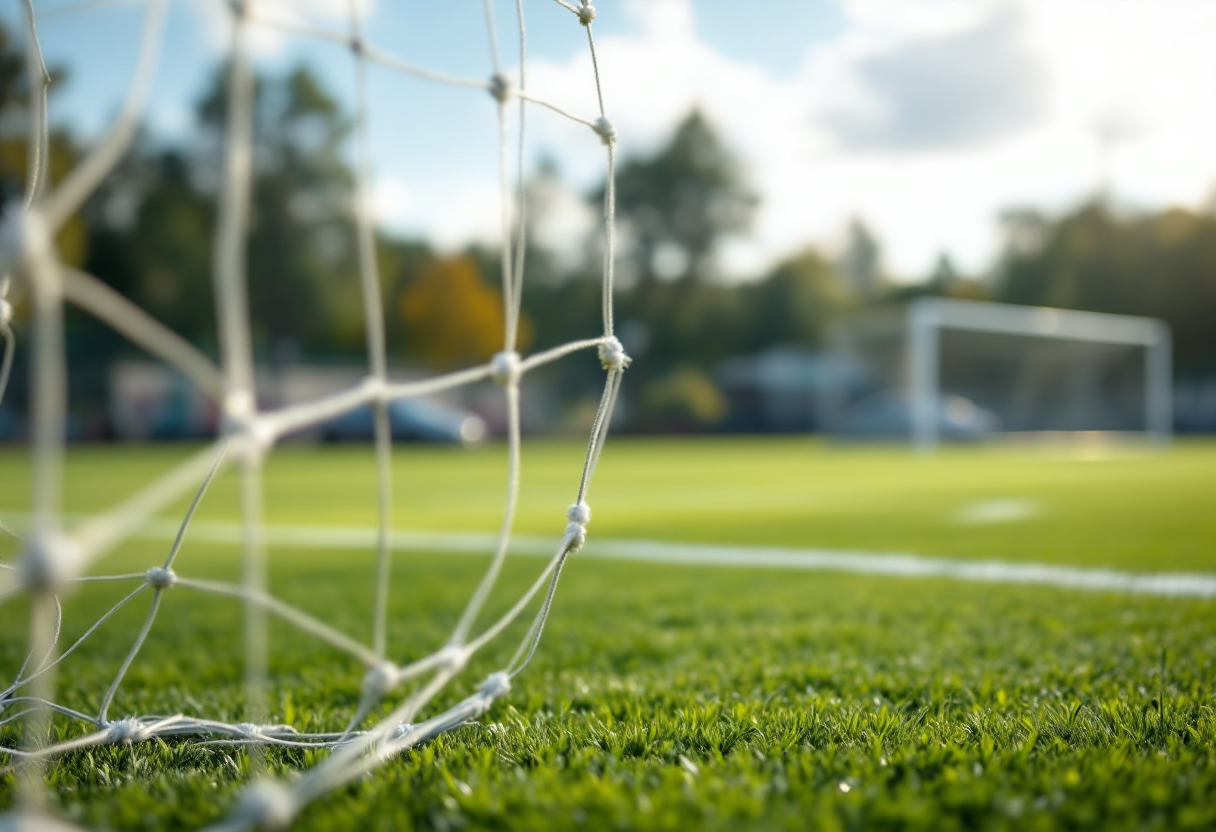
(1195, 405)
(785, 389)
(150, 401)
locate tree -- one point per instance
(1161, 265)
(302, 274)
(15, 90)
(795, 303)
(150, 238)
(678, 205)
(452, 316)
(862, 262)
(153, 223)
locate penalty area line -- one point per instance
(884, 564)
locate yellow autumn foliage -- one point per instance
(71, 241)
(452, 317)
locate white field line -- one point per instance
(1171, 584)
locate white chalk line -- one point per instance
(888, 564)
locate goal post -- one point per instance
(1027, 369)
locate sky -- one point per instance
(924, 118)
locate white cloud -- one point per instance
(456, 213)
(390, 201)
(560, 219)
(266, 40)
(961, 88)
(939, 184)
(903, 118)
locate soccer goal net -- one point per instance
(951, 369)
(55, 557)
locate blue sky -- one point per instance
(924, 117)
(449, 34)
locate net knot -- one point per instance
(606, 129)
(579, 513)
(129, 730)
(380, 679)
(500, 87)
(252, 434)
(160, 577)
(401, 730)
(267, 805)
(579, 516)
(496, 685)
(452, 657)
(586, 13)
(51, 559)
(358, 46)
(239, 405)
(504, 367)
(375, 389)
(613, 355)
(249, 728)
(24, 236)
(240, 8)
(576, 535)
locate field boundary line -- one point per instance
(883, 564)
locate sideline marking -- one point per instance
(1170, 584)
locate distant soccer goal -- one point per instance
(939, 369)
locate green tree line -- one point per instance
(148, 232)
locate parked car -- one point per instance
(415, 420)
(888, 414)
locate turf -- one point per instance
(670, 697)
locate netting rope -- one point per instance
(54, 558)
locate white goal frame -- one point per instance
(924, 319)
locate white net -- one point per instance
(55, 558)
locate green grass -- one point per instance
(669, 697)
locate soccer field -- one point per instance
(676, 696)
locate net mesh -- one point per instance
(55, 558)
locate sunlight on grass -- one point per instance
(671, 697)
